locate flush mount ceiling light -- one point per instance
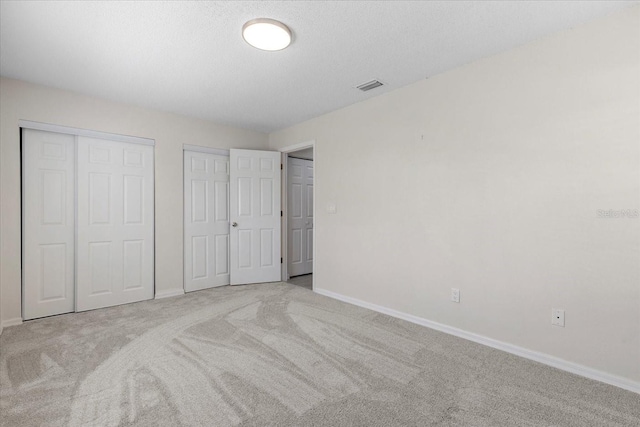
(266, 34)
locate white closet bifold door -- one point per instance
(47, 223)
(206, 220)
(115, 218)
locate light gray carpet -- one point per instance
(278, 355)
(305, 281)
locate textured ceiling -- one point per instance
(190, 58)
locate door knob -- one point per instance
(234, 224)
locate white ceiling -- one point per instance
(190, 58)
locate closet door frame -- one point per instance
(27, 124)
(77, 132)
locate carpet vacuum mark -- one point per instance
(277, 354)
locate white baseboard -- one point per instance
(11, 322)
(543, 358)
(170, 293)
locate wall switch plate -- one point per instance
(331, 208)
(557, 317)
(455, 295)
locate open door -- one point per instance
(254, 206)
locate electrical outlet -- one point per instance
(557, 317)
(455, 295)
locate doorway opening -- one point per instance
(298, 233)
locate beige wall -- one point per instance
(20, 100)
(487, 178)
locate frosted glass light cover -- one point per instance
(266, 34)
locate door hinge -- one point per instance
(280, 213)
(281, 166)
(280, 260)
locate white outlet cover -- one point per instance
(557, 317)
(455, 295)
(331, 208)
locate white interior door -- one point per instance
(115, 240)
(300, 216)
(206, 216)
(255, 216)
(48, 167)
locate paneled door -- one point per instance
(206, 219)
(300, 216)
(48, 271)
(115, 219)
(254, 206)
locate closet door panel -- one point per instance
(206, 220)
(115, 223)
(47, 223)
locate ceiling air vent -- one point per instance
(369, 85)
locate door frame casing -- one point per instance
(47, 127)
(284, 200)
